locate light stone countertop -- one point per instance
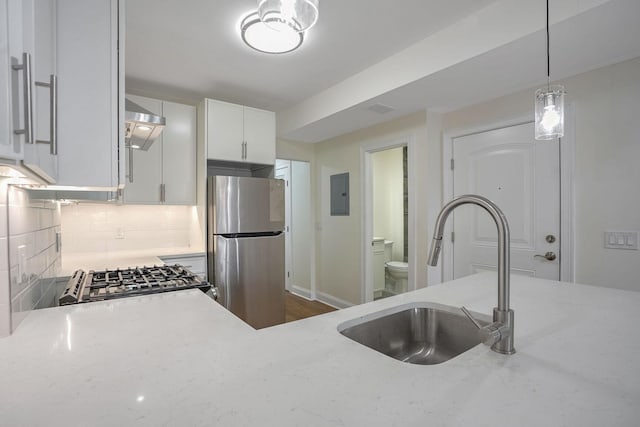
(179, 359)
(120, 259)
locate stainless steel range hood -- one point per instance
(142, 126)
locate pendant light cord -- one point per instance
(548, 60)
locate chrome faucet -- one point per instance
(500, 332)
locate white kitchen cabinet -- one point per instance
(260, 136)
(27, 86)
(179, 154)
(144, 177)
(240, 134)
(90, 62)
(40, 39)
(11, 87)
(166, 172)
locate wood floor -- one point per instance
(299, 308)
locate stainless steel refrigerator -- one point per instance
(245, 246)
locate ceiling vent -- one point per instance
(380, 108)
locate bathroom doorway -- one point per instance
(388, 235)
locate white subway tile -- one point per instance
(5, 320)
(3, 220)
(4, 254)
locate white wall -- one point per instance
(606, 103)
(388, 198)
(26, 278)
(339, 238)
(104, 228)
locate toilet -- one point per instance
(398, 270)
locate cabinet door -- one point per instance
(224, 131)
(39, 35)
(260, 136)
(179, 154)
(144, 185)
(11, 88)
(90, 92)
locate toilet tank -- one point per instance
(388, 250)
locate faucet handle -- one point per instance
(470, 316)
(491, 333)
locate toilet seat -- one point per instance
(398, 265)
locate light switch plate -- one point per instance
(621, 240)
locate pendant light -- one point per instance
(549, 105)
(297, 14)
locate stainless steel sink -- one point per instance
(418, 333)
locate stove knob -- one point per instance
(213, 292)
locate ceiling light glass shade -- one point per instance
(549, 112)
(297, 14)
(276, 38)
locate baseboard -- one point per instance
(332, 301)
(301, 292)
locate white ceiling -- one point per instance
(191, 48)
(188, 50)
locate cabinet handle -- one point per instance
(246, 150)
(53, 114)
(130, 164)
(27, 82)
(242, 152)
(162, 193)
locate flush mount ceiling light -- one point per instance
(297, 14)
(549, 102)
(277, 37)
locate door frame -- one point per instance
(288, 264)
(309, 294)
(567, 201)
(366, 189)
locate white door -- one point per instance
(522, 176)
(301, 226)
(283, 171)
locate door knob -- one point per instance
(549, 256)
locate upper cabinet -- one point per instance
(239, 134)
(61, 90)
(166, 172)
(90, 63)
(28, 104)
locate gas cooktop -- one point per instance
(120, 283)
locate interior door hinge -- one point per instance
(453, 236)
(452, 164)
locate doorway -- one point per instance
(388, 224)
(299, 238)
(524, 178)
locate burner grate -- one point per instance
(119, 283)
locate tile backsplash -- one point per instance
(34, 260)
(108, 228)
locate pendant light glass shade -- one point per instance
(297, 14)
(549, 103)
(549, 112)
